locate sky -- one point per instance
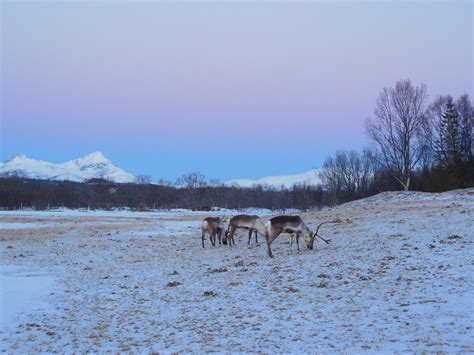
(233, 89)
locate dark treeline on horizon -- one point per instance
(17, 192)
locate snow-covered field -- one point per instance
(398, 275)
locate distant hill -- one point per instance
(308, 178)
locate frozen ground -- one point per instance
(398, 275)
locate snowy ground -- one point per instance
(398, 275)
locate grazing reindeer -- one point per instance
(294, 225)
(252, 223)
(212, 226)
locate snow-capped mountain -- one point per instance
(308, 178)
(94, 165)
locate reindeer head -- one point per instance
(226, 235)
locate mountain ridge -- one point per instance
(93, 165)
(96, 165)
(310, 177)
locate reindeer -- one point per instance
(212, 226)
(296, 227)
(251, 222)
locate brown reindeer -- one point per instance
(212, 226)
(243, 221)
(296, 227)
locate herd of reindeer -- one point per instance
(294, 225)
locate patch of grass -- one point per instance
(222, 269)
(173, 284)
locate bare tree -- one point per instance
(396, 128)
(349, 173)
(191, 180)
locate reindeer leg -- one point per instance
(298, 241)
(250, 236)
(274, 233)
(256, 237)
(226, 235)
(269, 250)
(213, 239)
(203, 235)
(231, 234)
(291, 243)
(220, 236)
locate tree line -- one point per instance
(18, 192)
(414, 145)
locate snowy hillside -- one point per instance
(308, 178)
(94, 165)
(397, 277)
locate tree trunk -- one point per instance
(406, 186)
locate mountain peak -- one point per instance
(96, 157)
(91, 159)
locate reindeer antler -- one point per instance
(336, 220)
